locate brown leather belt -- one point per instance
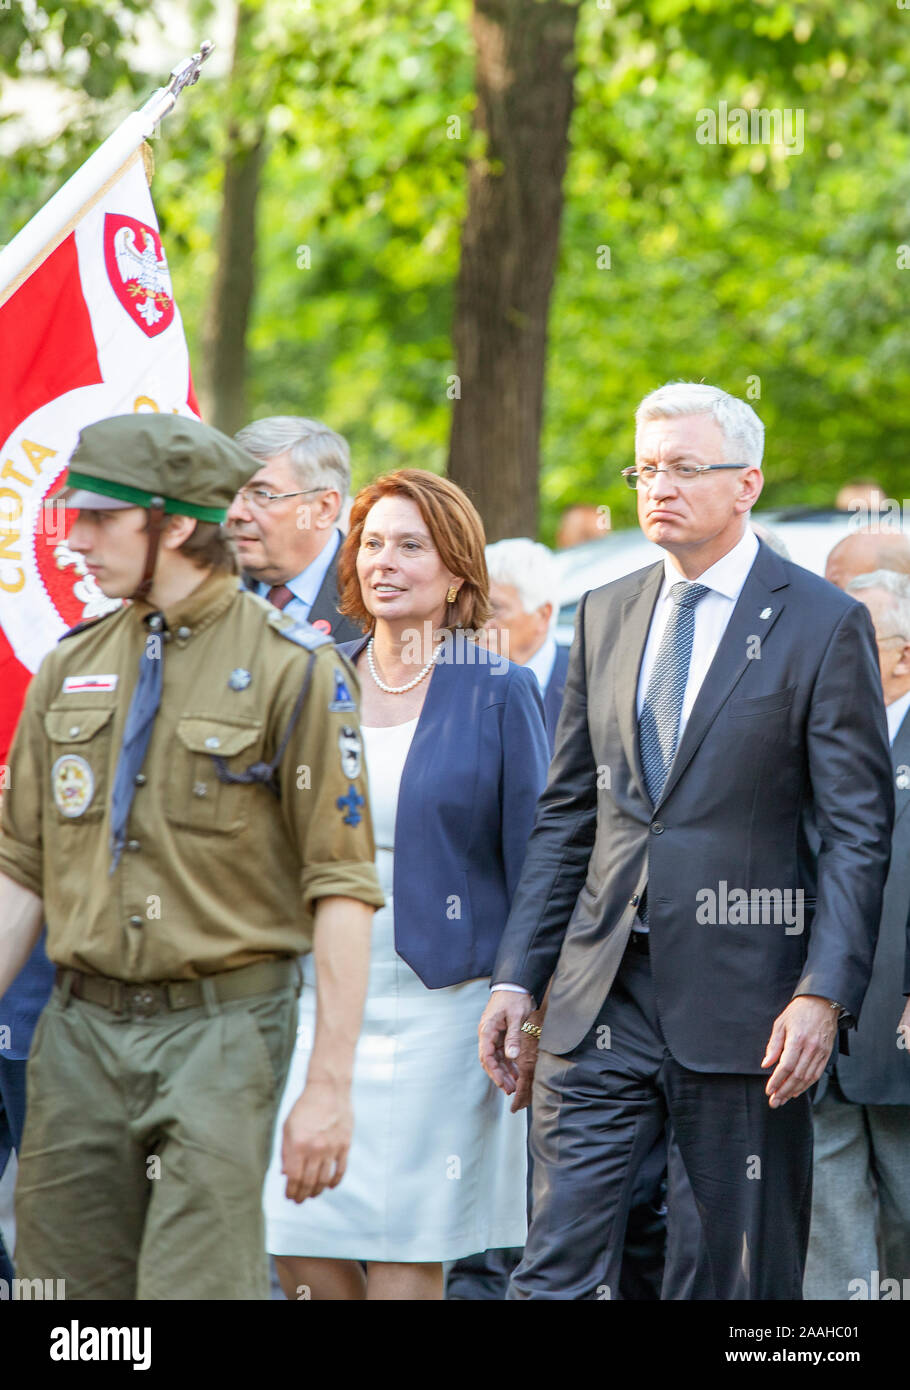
(145, 999)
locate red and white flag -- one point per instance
(88, 329)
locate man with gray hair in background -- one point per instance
(861, 1114)
(284, 521)
(524, 604)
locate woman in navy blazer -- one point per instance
(456, 752)
(475, 768)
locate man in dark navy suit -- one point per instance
(20, 1008)
(284, 522)
(722, 710)
(861, 1112)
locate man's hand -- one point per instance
(316, 1140)
(500, 1037)
(800, 1043)
(317, 1132)
(527, 1063)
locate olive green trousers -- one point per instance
(146, 1145)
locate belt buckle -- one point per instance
(143, 1001)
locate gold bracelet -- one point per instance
(531, 1029)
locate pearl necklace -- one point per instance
(398, 689)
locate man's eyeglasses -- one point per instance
(679, 472)
(261, 497)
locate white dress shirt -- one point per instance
(895, 712)
(543, 661)
(305, 586)
(725, 579)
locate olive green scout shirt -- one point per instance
(213, 876)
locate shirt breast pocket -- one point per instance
(197, 798)
(80, 744)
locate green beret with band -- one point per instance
(140, 459)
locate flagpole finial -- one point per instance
(187, 72)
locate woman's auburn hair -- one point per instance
(457, 533)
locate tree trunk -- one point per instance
(510, 240)
(224, 363)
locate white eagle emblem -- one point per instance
(144, 273)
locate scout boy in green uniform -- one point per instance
(187, 809)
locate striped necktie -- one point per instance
(658, 724)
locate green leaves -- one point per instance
(725, 262)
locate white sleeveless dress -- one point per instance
(437, 1166)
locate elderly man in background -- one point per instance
(861, 1185)
(524, 600)
(523, 603)
(284, 521)
(867, 550)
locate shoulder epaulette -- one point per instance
(87, 623)
(304, 634)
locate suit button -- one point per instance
(633, 901)
(657, 828)
(183, 633)
(135, 921)
(140, 779)
(132, 846)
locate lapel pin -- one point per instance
(765, 613)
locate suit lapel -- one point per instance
(638, 609)
(760, 593)
(900, 757)
(325, 604)
(552, 700)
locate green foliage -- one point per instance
(744, 265)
